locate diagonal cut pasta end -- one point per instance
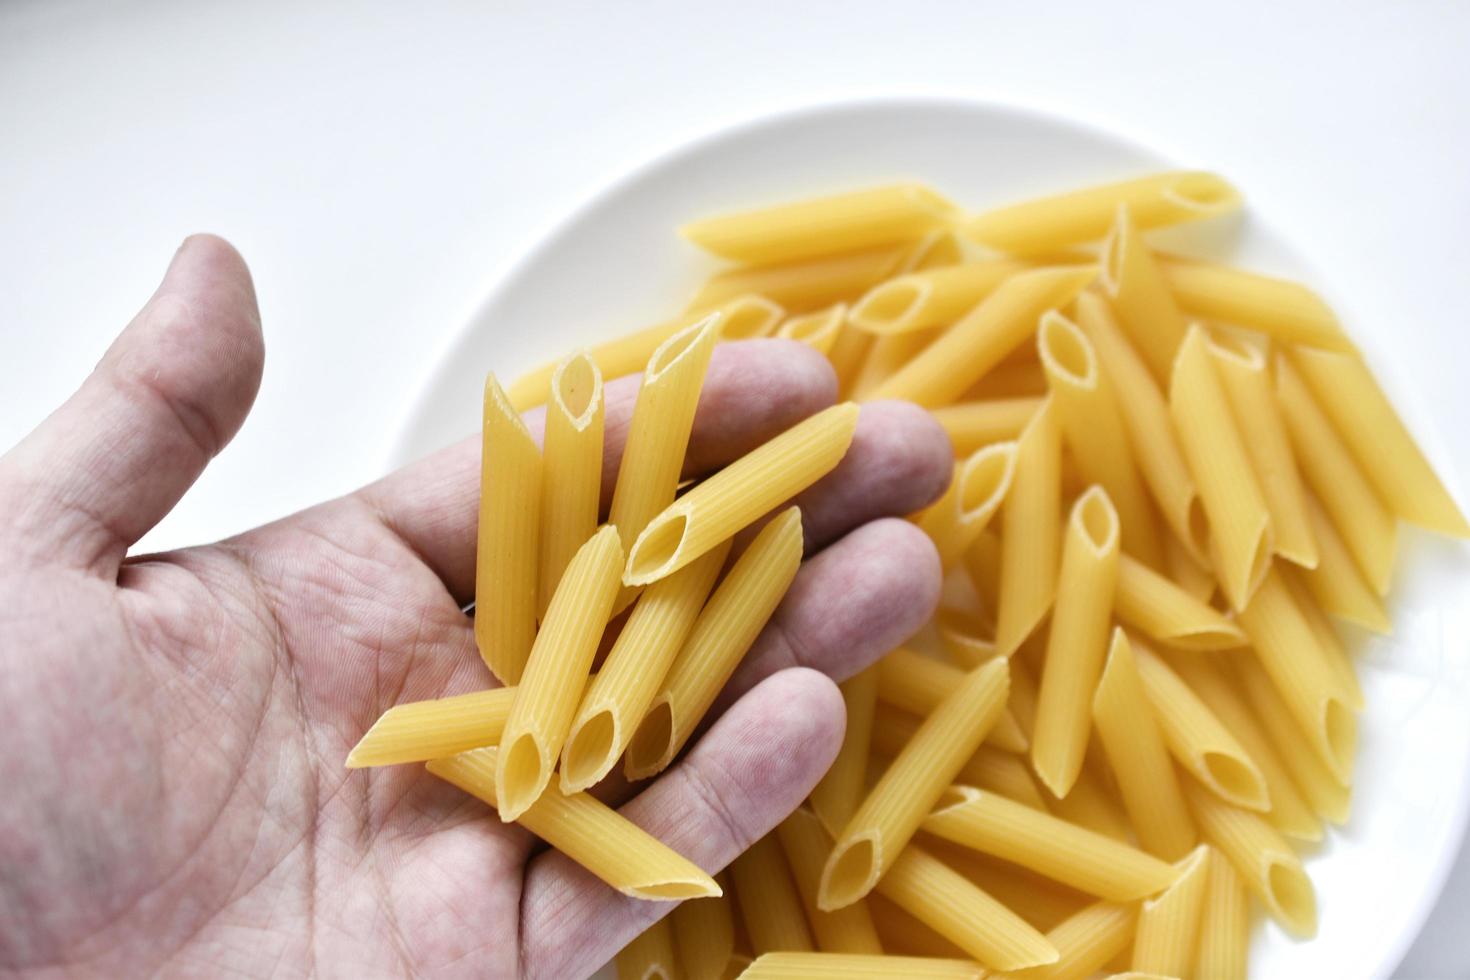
(521, 773)
(652, 747)
(851, 871)
(591, 750)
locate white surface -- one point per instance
(381, 164)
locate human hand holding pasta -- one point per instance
(175, 799)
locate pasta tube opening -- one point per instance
(851, 871)
(1231, 777)
(577, 388)
(1098, 521)
(658, 546)
(520, 777)
(673, 350)
(1202, 192)
(652, 743)
(748, 317)
(985, 480)
(1066, 351)
(890, 306)
(1290, 896)
(588, 749)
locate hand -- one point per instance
(174, 798)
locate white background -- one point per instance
(381, 164)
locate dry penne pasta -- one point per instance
(724, 631)
(1140, 295)
(846, 930)
(704, 935)
(885, 355)
(967, 637)
(571, 470)
(1287, 311)
(932, 298)
(1049, 223)
(424, 730)
(768, 900)
(1328, 642)
(1085, 942)
(906, 936)
(1042, 902)
(832, 966)
(817, 330)
(650, 956)
(980, 483)
(971, 425)
(989, 768)
(917, 684)
(556, 673)
(1224, 931)
(804, 285)
(847, 355)
(1154, 605)
(836, 797)
(1337, 583)
(1030, 522)
(1168, 924)
(592, 834)
(736, 496)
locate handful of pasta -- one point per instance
(1132, 705)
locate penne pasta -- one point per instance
(830, 966)
(1197, 581)
(1242, 372)
(820, 226)
(807, 844)
(1285, 311)
(1385, 452)
(1012, 378)
(743, 491)
(1224, 930)
(1148, 421)
(989, 768)
(1168, 924)
(571, 470)
(905, 935)
(1197, 739)
(1043, 903)
(1140, 295)
(633, 673)
(1061, 851)
(1048, 223)
(769, 903)
(971, 425)
(1085, 943)
(966, 637)
(1092, 428)
(961, 355)
(952, 906)
(887, 354)
(610, 846)
(1077, 643)
(848, 353)
(1329, 644)
(556, 673)
(1240, 525)
(507, 543)
(982, 567)
(1128, 729)
(932, 298)
(1266, 863)
(806, 285)
(817, 330)
(650, 956)
(837, 795)
(704, 935)
(423, 730)
(1287, 650)
(1337, 583)
(1031, 525)
(658, 435)
(980, 483)
(912, 682)
(1152, 604)
(724, 631)
(891, 813)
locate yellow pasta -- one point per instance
(736, 496)
(1078, 641)
(1337, 583)
(1264, 860)
(967, 638)
(891, 813)
(1092, 427)
(1049, 223)
(1030, 532)
(907, 936)
(817, 330)
(556, 673)
(704, 935)
(571, 471)
(650, 956)
(1129, 732)
(724, 631)
(1378, 440)
(1192, 578)
(1020, 375)
(423, 730)
(658, 435)
(740, 318)
(989, 768)
(942, 371)
(932, 298)
(1168, 924)
(618, 697)
(952, 906)
(1085, 942)
(1140, 295)
(980, 483)
(592, 834)
(836, 966)
(1224, 931)
(837, 795)
(1286, 311)
(917, 684)
(508, 539)
(1240, 525)
(1288, 651)
(1242, 372)
(820, 226)
(768, 900)
(1290, 813)
(971, 425)
(805, 285)
(982, 567)
(845, 930)
(1329, 798)
(1197, 739)
(1073, 855)
(1154, 605)
(887, 354)
(847, 356)
(1150, 429)
(1328, 642)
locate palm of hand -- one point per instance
(174, 792)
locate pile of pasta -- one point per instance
(1133, 705)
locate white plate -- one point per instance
(616, 264)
